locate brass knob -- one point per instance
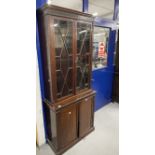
(86, 99)
(69, 113)
(59, 106)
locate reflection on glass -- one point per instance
(63, 57)
(83, 55)
(100, 47)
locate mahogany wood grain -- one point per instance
(85, 116)
(67, 125)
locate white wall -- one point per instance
(39, 111)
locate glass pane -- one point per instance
(83, 38)
(100, 47)
(82, 78)
(71, 4)
(64, 57)
(102, 8)
(83, 55)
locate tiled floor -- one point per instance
(103, 141)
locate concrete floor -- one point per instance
(103, 141)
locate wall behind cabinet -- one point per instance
(39, 112)
(39, 89)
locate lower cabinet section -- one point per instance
(69, 124)
(86, 116)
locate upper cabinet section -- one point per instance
(66, 46)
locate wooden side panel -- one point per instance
(86, 116)
(67, 125)
(50, 121)
(42, 27)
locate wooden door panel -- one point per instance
(67, 125)
(86, 114)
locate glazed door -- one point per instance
(83, 55)
(72, 56)
(63, 57)
(86, 116)
(67, 125)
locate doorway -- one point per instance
(102, 64)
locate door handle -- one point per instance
(86, 99)
(69, 113)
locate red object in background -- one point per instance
(101, 50)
